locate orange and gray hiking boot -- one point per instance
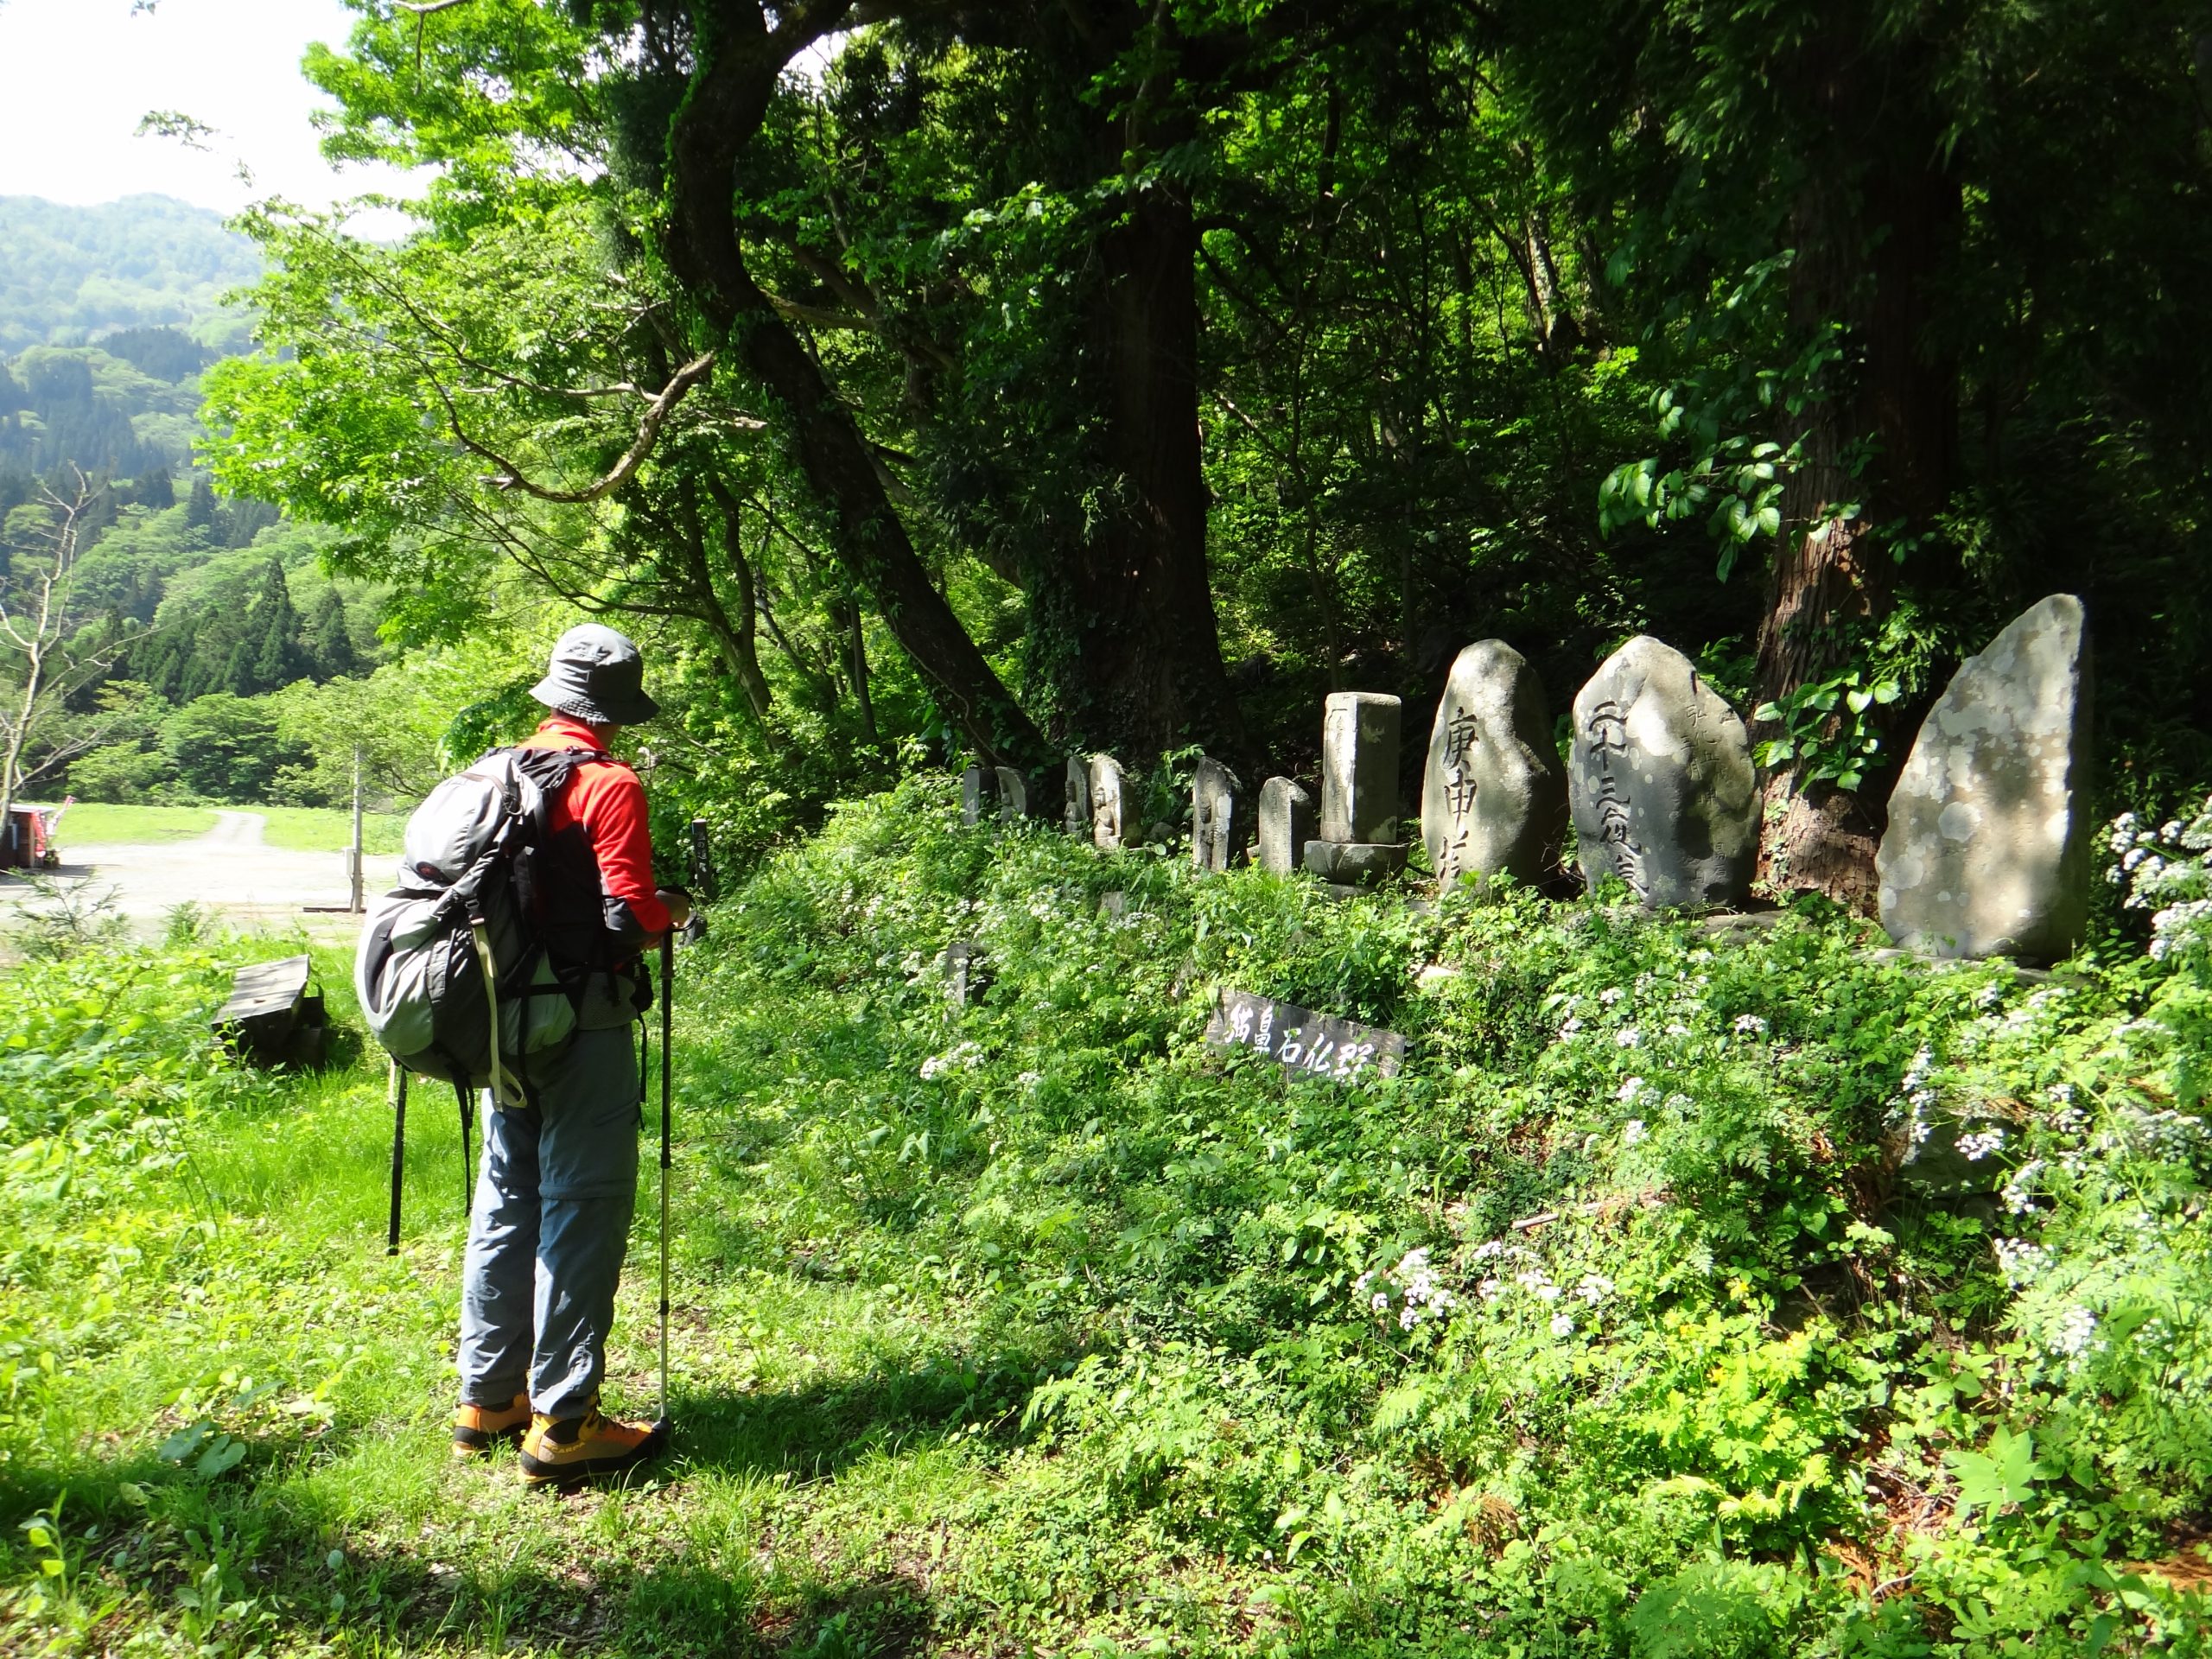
(570, 1449)
(477, 1429)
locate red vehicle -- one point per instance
(27, 839)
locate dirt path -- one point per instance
(229, 872)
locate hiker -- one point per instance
(558, 1180)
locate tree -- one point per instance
(46, 653)
(330, 641)
(227, 748)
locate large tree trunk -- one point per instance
(740, 59)
(1868, 252)
(1145, 672)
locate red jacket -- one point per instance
(605, 798)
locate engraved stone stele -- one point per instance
(1217, 828)
(1493, 796)
(1661, 780)
(979, 794)
(1111, 805)
(1014, 794)
(1287, 823)
(1359, 767)
(1987, 849)
(1076, 812)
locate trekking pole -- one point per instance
(667, 1030)
(397, 1088)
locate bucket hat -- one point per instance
(597, 675)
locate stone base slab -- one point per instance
(1355, 863)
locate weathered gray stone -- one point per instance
(1360, 863)
(1359, 767)
(1013, 794)
(1111, 805)
(1217, 816)
(1987, 849)
(1076, 811)
(979, 794)
(1493, 796)
(1664, 794)
(1286, 823)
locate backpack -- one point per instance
(454, 977)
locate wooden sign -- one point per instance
(1300, 1040)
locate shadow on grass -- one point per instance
(715, 1575)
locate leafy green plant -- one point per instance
(1827, 733)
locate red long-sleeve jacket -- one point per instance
(606, 800)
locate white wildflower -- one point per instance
(1594, 1289)
(2072, 1340)
(1750, 1025)
(1981, 1144)
(1627, 1037)
(1562, 1325)
(1632, 1131)
(1610, 996)
(2022, 1261)
(1630, 1091)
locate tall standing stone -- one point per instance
(1359, 767)
(1286, 823)
(1358, 844)
(1217, 825)
(1494, 797)
(1664, 794)
(979, 794)
(1075, 809)
(1987, 849)
(1014, 794)
(1111, 805)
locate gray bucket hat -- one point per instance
(597, 675)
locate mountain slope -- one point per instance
(69, 273)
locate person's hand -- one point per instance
(679, 903)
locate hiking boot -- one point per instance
(477, 1429)
(568, 1449)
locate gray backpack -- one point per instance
(453, 979)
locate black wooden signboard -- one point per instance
(1311, 1044)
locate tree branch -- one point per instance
(511, 476)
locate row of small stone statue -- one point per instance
(1985, 853)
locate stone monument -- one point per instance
(1286, 823)
(1494, 797)
(1358, 841)
(1218, 826)
(1664, 794)
(979, 794)
(1987, 849)
(1014, 794)
(1111, 805)
(1076, 811)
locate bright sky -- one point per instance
(76, 75)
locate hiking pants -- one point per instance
(554, 1192)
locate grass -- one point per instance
(1032, 1325)
(293, 829)
(330, 830)
(99, 823)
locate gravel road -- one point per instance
(228, 872)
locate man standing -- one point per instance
(559, 1178)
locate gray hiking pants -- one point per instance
(554, 1192)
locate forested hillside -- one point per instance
(183, 613)
(71, 274)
